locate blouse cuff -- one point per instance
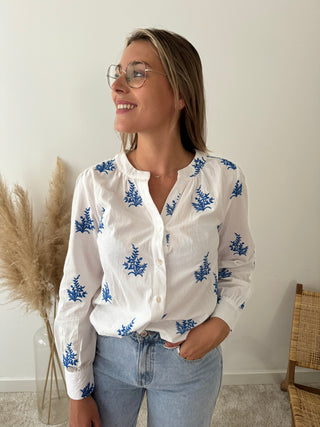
(226, 311)
(80, 384)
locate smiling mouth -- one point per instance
(125, 106)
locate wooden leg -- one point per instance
(289, 379)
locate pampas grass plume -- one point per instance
(32, 255)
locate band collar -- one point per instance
(127, 168)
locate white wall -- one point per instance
(261, 64)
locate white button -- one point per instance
(158, 299)
(159, 261)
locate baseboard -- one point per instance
(269, 377)
(229, 378)
(12, 385)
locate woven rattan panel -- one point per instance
(305, 345)
(305, 407)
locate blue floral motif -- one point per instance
(224, 273)
(203, 271)
(76, 291)
(86, 223)
(87, 390)
(229, 164)
(165, 315)
(69, 358)
(106, 167)
(198, 164)
(132, 196)
(218, 227)
(106, 296)
(237, 246)
(126, 329)
(167, 239)
(237, 191)
(215, 284)
(170, 208)
(242, 306)
(101, 224)
(134, 263)
(203, 200)
(185, 326)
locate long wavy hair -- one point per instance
(183, 68)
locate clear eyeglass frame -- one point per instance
(135, 74)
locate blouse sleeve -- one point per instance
(75, 336)
(236, 253)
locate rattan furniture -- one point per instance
(304, 352)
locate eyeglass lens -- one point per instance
(135, 74)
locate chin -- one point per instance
(124, 128)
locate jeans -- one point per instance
(180, 393)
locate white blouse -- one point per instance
(130, 268)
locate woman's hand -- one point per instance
(202, 339)
(84, 413)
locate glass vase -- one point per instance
(52, 399)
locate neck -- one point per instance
(161, 157)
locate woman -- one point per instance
(160, 254)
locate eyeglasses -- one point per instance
(135, 73)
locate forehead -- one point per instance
(140, 50)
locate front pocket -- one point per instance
(177, 353)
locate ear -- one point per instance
(181, 104)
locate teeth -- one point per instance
(125, 106)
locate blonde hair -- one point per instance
(183, 68)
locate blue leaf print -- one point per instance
(237, 191)
(229, 164)
(86, 223)
(185, 326)
(76, 291)
(126, 329)
(69, 358)
(215, 284)
(106, 296)
(198, 164)
(203, 200)
(101, 224)
(167, 239)
(170, 208)
(134, 263)
(132, 196)
(237, 246)
(224, 273)
(87, 390)
(242, 306)
(106, 167)
(165, 315)
(203, 271)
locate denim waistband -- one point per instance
(147, 336)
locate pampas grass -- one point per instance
(32, 257)
(32, 254)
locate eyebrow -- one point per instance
(136, 62)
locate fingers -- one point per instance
(169, 344)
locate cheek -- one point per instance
(163, 102)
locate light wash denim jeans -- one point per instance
(180, 393)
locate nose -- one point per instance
(120, 85)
